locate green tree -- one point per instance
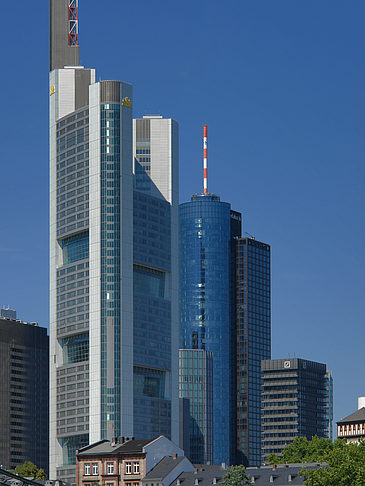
(235, 476)
(30, 470)
(345, 463)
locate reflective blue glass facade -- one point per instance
(196, 386)
(205, 301)
(152, 316)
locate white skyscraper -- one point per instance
(113, 259)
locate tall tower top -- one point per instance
(205, 158)
(63, 35)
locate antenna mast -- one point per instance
(205, 157)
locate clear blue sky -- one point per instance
(281, 86)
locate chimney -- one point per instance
(196, 482)
(195, 470)
(113, 441)
(174, 456)
(224, 465)
(178, 482)
(214, 480)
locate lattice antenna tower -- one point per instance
(73, 22)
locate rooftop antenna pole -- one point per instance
(205, 156)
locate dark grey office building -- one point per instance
(23, 392)
(253, 343)
(296, 402)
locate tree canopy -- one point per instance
(235, 476)
(345, 463)
(30, 470)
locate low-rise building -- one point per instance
(123, 463)
(352, 427)
(279, 475)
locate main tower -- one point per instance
(111, 372)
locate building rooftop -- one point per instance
(204, 475)
(163, 468)
(358, 416)
(128, 446)
(280, 475)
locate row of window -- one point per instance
(93, 468)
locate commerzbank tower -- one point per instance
(114, 321)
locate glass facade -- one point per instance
(205, 301)
(110, 267)
(152, 316)
(196, 385)
(253, 330)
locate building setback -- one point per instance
(113, 259)
(296, 402)
(23, 392)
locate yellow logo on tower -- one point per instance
(51, 91)
(127, 102)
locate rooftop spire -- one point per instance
(63, 35)
(205, 158)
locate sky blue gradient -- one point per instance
(281, 86)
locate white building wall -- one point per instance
(94, 265)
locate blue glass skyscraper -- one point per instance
(205, 300)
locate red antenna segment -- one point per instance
(205, 157)
(73, 22)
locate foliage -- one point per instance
(30, 470)
(235, 476)
(345, 462)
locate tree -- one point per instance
(30, 470)
(345, 463)
(235, 476)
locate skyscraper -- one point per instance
(296, 401)
(253, 342)
(23, 392)
(113, 259)
(225, 309)
(205, 300)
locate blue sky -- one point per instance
(281, 87)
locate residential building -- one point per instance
(23, 392)
(295, 402)
(352, 427)
(203, 475)
(196, 386)
(114, 323)
(127, 462)
(253, 331)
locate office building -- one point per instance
(113, 259)
(253, 331)
(23, 392)
(296, 402)
(225, 309)
(196, 386)
(205, 303)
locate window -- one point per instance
(128, 468)
(95, 468)
(109, 484)
(87, 469)
(135, 484)
(128, 484)
(136, 468)
(110, 467)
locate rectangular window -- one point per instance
(110, 467)
(87, 469)
(95, 468)
(128, 468)
(109, 484)
(136, 468)
(135, 484)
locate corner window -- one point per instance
(128, 468)
(110, 467)
(87, 470)
(95, 468)
(136, 468)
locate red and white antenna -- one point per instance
(205, 157)
(73, 22)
